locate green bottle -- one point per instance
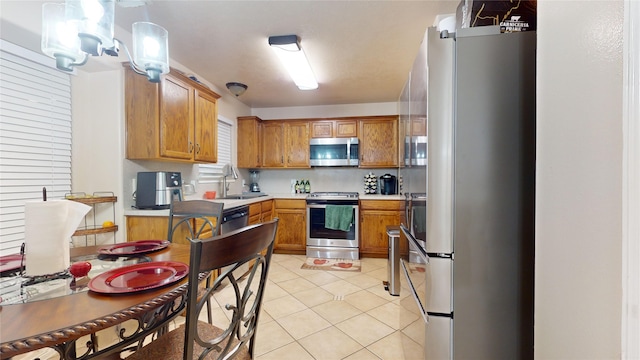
(307, 187)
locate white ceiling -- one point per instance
(360, 51)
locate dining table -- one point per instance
(68, 323)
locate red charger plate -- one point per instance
(139, 277)
(136, 247)
(10, 262)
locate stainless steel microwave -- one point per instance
(415, 150)
(334, 152)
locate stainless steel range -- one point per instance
(333, 225)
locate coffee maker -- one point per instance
(255, 176)
(157, 189)
(388, 184)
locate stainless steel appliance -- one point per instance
(415, 150)
(333, 225)
(157, 189)
(392, 285)
(234, 219)
(388, 184)
(417, 219)
(255, 176)
(333, 152)
(470, 230)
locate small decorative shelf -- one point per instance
(94, 200)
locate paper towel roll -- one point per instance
(48, 229)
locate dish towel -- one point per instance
(338, 217)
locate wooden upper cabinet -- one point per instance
(176, 111)
(418, 126)
(272, 144)
(249, 142)
(175, 120)
(285, 144)
(322, 129)
(378, 142)
(334, 128)
(297, 150)
(346, 128)
(206, 127)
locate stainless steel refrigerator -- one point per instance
(470, 223)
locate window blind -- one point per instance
(211, 173)
(35, 137)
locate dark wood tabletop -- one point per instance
(30, 326)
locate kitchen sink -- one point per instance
(243, 196)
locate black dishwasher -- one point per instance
(234, 218)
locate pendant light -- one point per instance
(79, 28)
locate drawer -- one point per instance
(254, 209)
(266, 206)
(382, 205)
(290, 204)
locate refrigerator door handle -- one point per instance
(416, 245)
(413, 292)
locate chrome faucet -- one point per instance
(228, 170)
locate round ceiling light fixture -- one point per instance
(237, 88)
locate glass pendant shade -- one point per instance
(94, 21)
(151, 49)
(60, 38)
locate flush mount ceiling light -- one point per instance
(76, 29)
(290, 53)
(237, 88)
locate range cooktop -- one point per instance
(333, 195)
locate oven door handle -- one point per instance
(316, 206)
(324, 206)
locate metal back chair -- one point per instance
(183, 212)
(200, 218)
(240, 298)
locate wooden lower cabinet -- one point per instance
(156, 228)
(292, 223)
(153, 228)
(255, 214)
(260, 212)
(266, 208)
(375, 216)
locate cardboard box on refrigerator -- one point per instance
(510, 15)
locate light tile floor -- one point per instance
(316, 314)
(325, 315)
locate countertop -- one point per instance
(232, 203)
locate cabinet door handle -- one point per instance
(190, 147)
(282, 159)
(197, 148)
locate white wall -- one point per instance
(301, 112)
(98, 152)
(578, 290)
